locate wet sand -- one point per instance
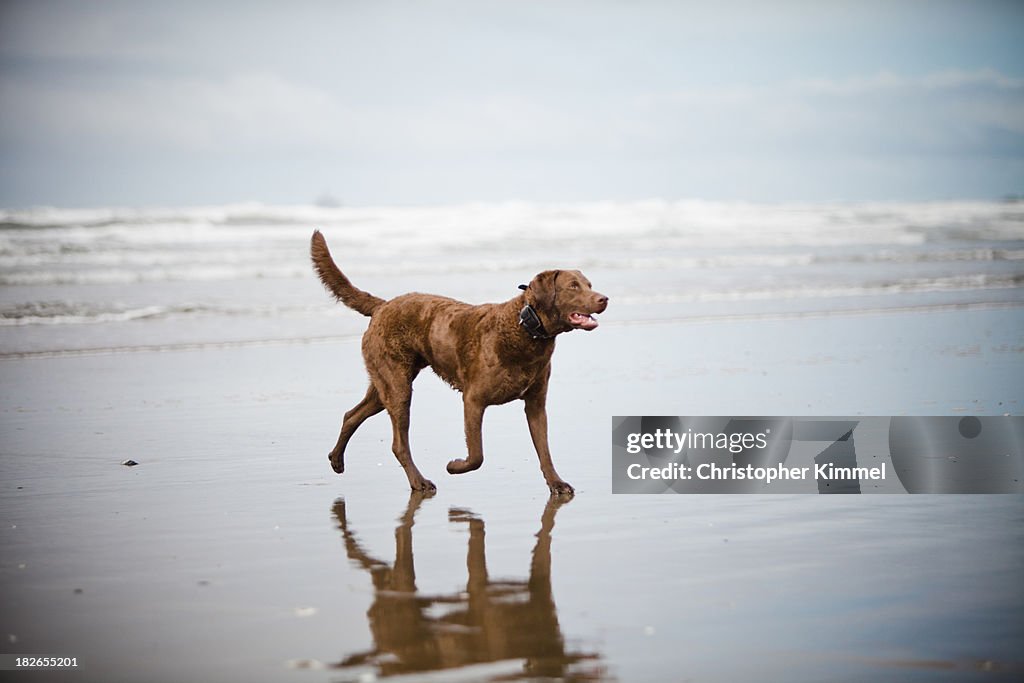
(232, 552)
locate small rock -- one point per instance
(305, 664)
(129, 463)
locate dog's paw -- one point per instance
(425, 486)
(337, 463)
(462, 465)
(561, 488)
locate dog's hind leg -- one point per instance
(369, 406)
(395, 388)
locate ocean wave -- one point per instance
(44, 217)
(61, 312)
(67, 313)
(832, 223)
(121, 246)
(170, 278)
(184, 273)
(139, 267)
(904, 286)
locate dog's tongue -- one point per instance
(583, 321)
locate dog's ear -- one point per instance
(543, 288)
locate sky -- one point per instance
(382, 102)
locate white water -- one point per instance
(234, 270)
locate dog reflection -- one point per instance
(490, 621)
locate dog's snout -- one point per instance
(602, 302)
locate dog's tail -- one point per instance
(336, 282)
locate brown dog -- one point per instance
(492, 353)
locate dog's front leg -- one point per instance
(473, 411)
(537, 418)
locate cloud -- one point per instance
(886, 81)
(252, 112)
(619, 115)
(192, 115)
(501, 96)
(262, 116)
(886, 114)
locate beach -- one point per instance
(198, 345)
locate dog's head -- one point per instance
(565, 301)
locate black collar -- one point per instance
(530, 321)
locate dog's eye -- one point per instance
(574, 285)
